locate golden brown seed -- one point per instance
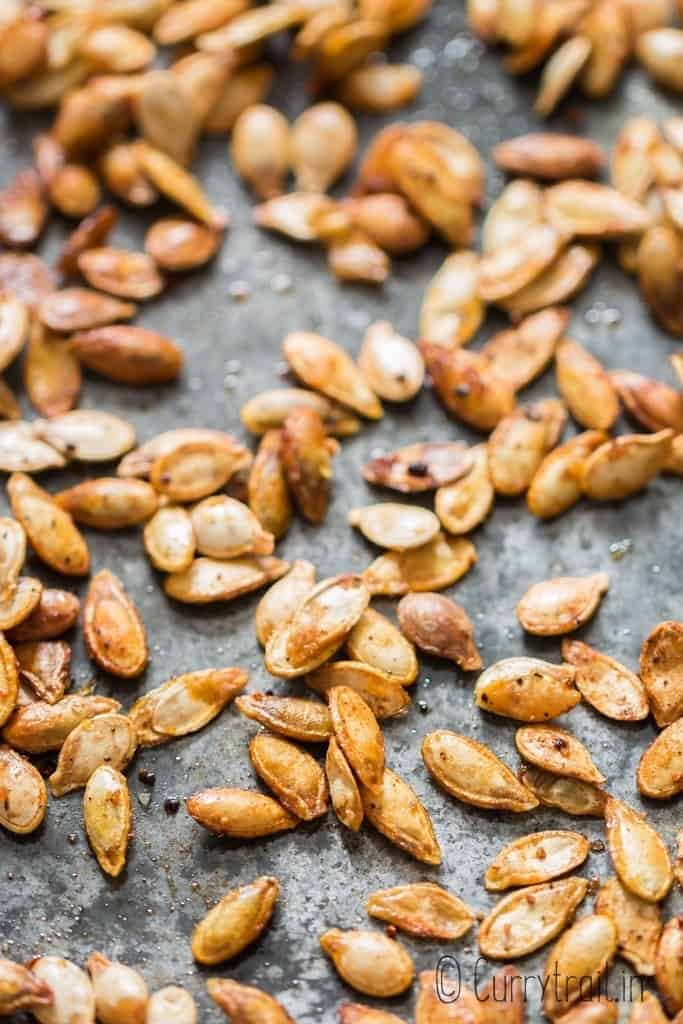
(648, 1010)
(323, 144)
(269, 409)
(107, 815)
(347, 46)
(380, 88)
(551, 156)
(24, 800)
(377, 642)
(52, 376)
(130, 275)
(49, 528)
(437, 565)
(165, 115)
(72, 991)
(640, 856)
(177, 185)
(246, 1005)
(22, 209)
(625, 465)
(526, 919)
(247, 87)
(388, 221)
(527, 689)
(660, 51)
(358, 734)
(463, 505)
(279, 604)
(76, 309)
(324, 366)
(661, 670)
(20, 989)
(184, 704)
(74, 191)
(518, 208)
(517, 445)
(452, 310)
(657, 263)
(556, 485)
(9, 406)
(12, 553)
(369, 961)
(419, 467)
(471, 772)
(9, 680)
(87, 435)
(353, 256)
(585, 386)
(57, 611)
(520, 354)
(632, 168)
(295, 215)
(183, 21)
(260, 149)
(119, 991)
(345, 795)
(660, 771)
(109, 502)
(226, 528)
(45, 666)
(41, 727)
(240, 813)
(383, 695)
(208, 579)
(181, 244)
(423, 909)
(511, 267)
(299, 719)
(569, 795)
(169, 539)
(24, 44)
(668, 965)
(609, 29)
(653, 404)
(268, 492)
(607, 685)
(391, 364)
(114, 632)
(594, 211)
(585, 951)
(396, 812)
(26, 277)
(306, 454)
(463, 1004)
(296, 778)
(235, 922)
(394, 526)
(560, 73)
(140, 461)
(122, 172)
(440, 627)
(563, 279)
(23, 600)
(467, 387)
(192, 470)
(14, 327)
(108, 739)
(536, 858)
(638, 924)
(91, 233)
(556, 750)
(561, 605)
(356, 1013)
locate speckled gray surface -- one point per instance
(53, 898)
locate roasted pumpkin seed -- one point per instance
(430, 1006)
(21, 603)
(235, 922)
(569, 795)
(556, 484)
(563, 279)
(562, 604)
(107, 815)
(118, 990)
(520, 354)
(463, 505)
(108, 739)
(536, 858)
(39, 728)
(140, 461)
(281, 601)
(260, 149)
(12, 553)
(660, 771)
(244, 1003)
(355, 1013)
(661, 670)
(294, 776)
(269, 410)
(550, 156)
(128, 355)
(516, 264)
(358, 734)
(56, 612)
(208, 580)
(640, 856)
(584, 952)
(422, 909)
(585, 386)
(440, 627)
(468, 388)
(169, 539)
(52, 375)
(24, 800)
(345, 795)
(112, 627)
(391, 364)
(171, 1005)
(435, 566)
(375, 641)
(638, 924)
(471, 772)
(45, 666)
(91, 233)
(324, 366)
(558, 751)
(517, 445)
(625, 465)
(589, 210)
(527, 689)
(369, 961)
(526, 919)
(306, 454)
(21, 990)
(184, 704)
(452, 310)
(394, 526)
(177, 185)
(129, 275)
(388, 221)
(240, 813)
(109, 502)
(607, 685)
(299, 719)
(72, 992)
(396, 812)
(668, 965)
(419, 467)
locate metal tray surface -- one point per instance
(53, 898)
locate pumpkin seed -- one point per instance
(638, 924)
(108, 739)
(345, 47)
(570, 795)
(358, 734)
(165, 115)
(520, 354)
(391, 364)
(118, 49)
(128, 355)
(178, 185)
(668, 965)
(242, 1002)
(419, 467)
(23, 600)
(512, 266)
(375, 641)
(556, 750)
(91, 233)
(121, 169)
(324, 366)
(607, 685)
(464, 1004)
(72, 992)
(50, 529)
(660, 771)
(345, 795)
(183, 21)
(562, 604)
(9, 680)
(45, 665)
(14, 327)
(661, 670)
(12, 553)
(355, 1013)
(394, 526)
(185, 704)
(435, 566)
(268, 491)
(383, 695)
(369, 962)
(536, 858)
(180, 244)
(139, 462)
(660, 51)
(39, 728)
(318, 627)
(467, 387)
(396, 812)
(452, 311)
(109, 502)
(52, 376)
(25, 43)
(20, 989)
(527, 919)
(26, 277)
(208, 580)
(625, 465)
(235, 922)
(23, 210)
(118, 990)
(560, 73)
(294, 776)
(240, 813)
(590, 210)
(562, 280)
(527, 689)
(112, 627)
(294, 717)
(388, 221)
(654, 405)
(640, 857)
(380, 88)
(551, 156)
(225, 528)
(463, 505)
(107, 816)
(306, 454)
(192, 470)
(610, 30)
(279, 604)
(555, 486)
(74, 191)
(293, 215)
(517, 445)
(471, 772)
(423, 909)
(269, 410)
(440, 627)
(657, 264)
(171, 1005)
(260, 149)
(129, 275)
(518, 208)
(585, 951)
(323, 144)
(648, 1011)
(169, 539)
(57, 611)
(9, 406)
(24, 796)
(585, 386)
(87, 435)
